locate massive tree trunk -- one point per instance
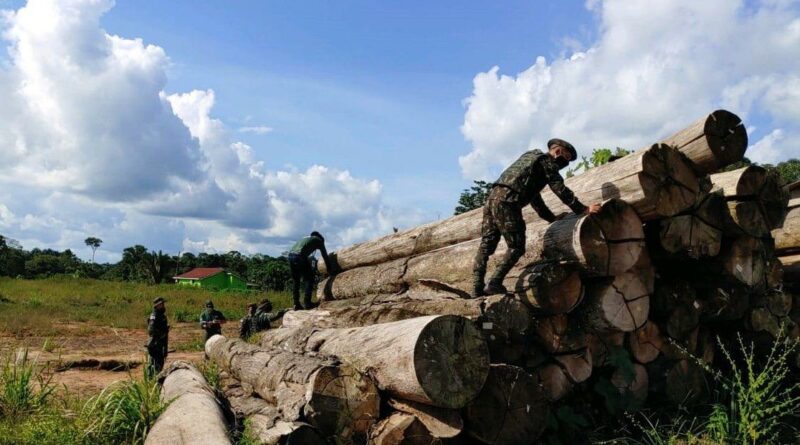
(656, 181)
(607, 243)
(511, 409)
(697, 233)
(756, 201)
(437, 360)
(748, 260)
(618, 304)
(265, 421)
(332, 397)
(712, 142)
(190, 399)
(504, 320)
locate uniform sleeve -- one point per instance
(325, 257)
(150, 327)
(541, 209)
(556, 183)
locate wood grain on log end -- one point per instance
(669, 178)
(551, 287)
(621, 304)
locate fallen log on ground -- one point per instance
(190, 398)
(334, 398)
(511, 409)
(264, 420)
(442, 423)
(606, 243)
(755, 199)
(620, 303)
(657, 181)
(712, 142)
(787, 237)
(437, 360)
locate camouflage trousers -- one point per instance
(500, 218)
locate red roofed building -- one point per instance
(212, 278)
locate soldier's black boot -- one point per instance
(297, 305)
(308, 304)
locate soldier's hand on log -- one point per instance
(594, 208)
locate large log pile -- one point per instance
(614, 308)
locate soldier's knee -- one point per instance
(516, 252)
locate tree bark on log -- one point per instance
(442, 423)
(332, 397)
(437, 360)
(503, 320)
(756, 201)
(191, 398)
(712, 142)
(265, 421)
(401, 428)
(621, 303)
(606, 243)
(511, 409)
(657, 181)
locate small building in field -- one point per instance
(211, 278)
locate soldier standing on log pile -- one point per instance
(300, 265)
(211, 320)
(158, 331)
(520, 184)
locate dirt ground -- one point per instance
(85, 359)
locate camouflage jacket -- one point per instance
(526, 178)
(157, 327)
(208, 316)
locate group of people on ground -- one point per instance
(519, 185)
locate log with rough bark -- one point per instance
(606, 243)
(264, 420)
(401, 428)
(190, 399)
(442, 423)
(657, 181)
(787, 237)
(712, 142)
(337, 400)
(503, 319)
(438, 360)
(511, 409)
(621, 303)
(755, 199)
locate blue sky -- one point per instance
(212, 126)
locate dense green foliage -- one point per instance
(789, 171)
(473, 197)
(138, 264)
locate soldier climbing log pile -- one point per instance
(602, 310)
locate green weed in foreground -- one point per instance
(24, 387)
(758, 399)
(31, 307)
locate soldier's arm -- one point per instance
(556, 183)
(150, 328)
(276, 315)
(325, 257)
(541, 209)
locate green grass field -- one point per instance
(30, 307)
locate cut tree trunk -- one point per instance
(337, 400)
(606, 243)
(756, 201)
(747, 259)
(621, 303)
(657, 181)
(401, 428)
(264, 421)
(791, 268)
(190, 398)
(724, 301)
(645, 343)
(554, 381)
(576, 365)
(511, 409)
(697, 233)
(712, 142)
(787, 237)
(559, 334)
(601, 346)
(633, 387)
(436, 360)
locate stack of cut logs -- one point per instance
(398, 353)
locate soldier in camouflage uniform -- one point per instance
(158, 330)
(263, 318)
(246, 323)
(300, 266)
(519, 185)
(211, 320)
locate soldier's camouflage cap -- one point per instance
(158, 300)
(563, 143)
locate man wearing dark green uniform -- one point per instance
(211, 320)
(246, 323)
(519, 185)
(264, 317)
(300, 265)
(158, 331)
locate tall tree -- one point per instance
(473, 197)
(93, 243)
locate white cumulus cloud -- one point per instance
(656, 66)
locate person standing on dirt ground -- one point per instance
(211, 320)
(519, 185)
(158, 331)
(263, 318)
(300, 266)
(246, 323)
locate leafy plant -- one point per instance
(24, 386)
